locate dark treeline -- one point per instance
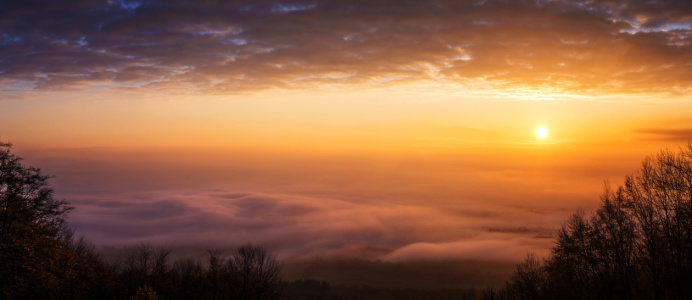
(636, 245)
(321, 290)
(422, 275)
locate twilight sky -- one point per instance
(395, 130)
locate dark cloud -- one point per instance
(234, 46)
(538, 232)
(683, 134)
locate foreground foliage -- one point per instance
(35, 255)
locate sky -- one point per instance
(380, 129)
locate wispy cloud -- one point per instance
(679, 134)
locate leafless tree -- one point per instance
(256, 273)
(528, 279)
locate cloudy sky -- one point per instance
(395, 130)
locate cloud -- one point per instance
(507, 249)
(538, 232)
(681, 134)
(306, 206)
(297, 227)
(220, 47)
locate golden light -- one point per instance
(541, 132)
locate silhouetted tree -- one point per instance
(34, 256)
(659, 197)
(528, 280)
(145, 293)
(492, 293)
(142, 265)
(256, 274)
(90, 276)
(216, 275)
(189, 278)
(615, 244)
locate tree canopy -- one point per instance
(32, 229)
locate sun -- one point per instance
(541, 132)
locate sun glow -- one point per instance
(541, 132)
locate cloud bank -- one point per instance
(300, 227)
(227, 47)
(305, 207)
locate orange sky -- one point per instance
(418, 177)
(326, 129)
